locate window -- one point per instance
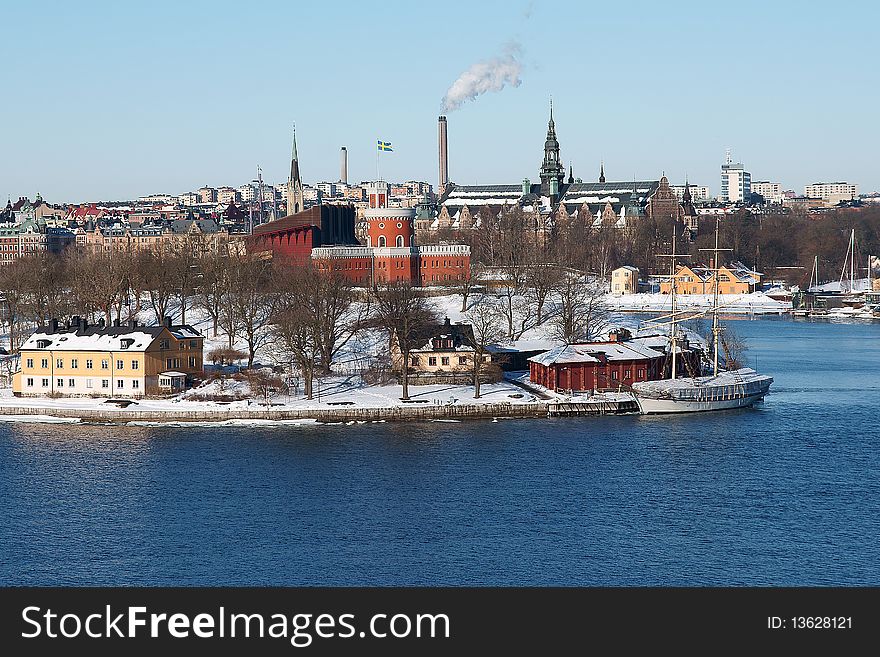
(641, 374)
(462, 360)
(135, 364)
(120, 365)
(192, 361)
(444, 360)
(135, 384)
(59, 363)
(44, 363)
(45, 383)
(30, 362)
(29, 383)
(432, 360)
(627, 375)
(105, 383)
(400, 240)
(193, 344)
(74, 363)
(88, 364)
(614, 375)
(120, 383)
(88, 383)
(414, 360)
(381, 240)
(168, 364)
(105, 365)
(163, 344)
(60, 383)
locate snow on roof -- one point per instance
(591, 352)
(104, 339)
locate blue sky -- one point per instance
(108, 100)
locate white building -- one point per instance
(227, 195)
(190, 198)
(698, 192)
(248, 193)
(771, 191)
(327, 189)
(736, 182)
(836, 191)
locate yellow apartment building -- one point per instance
(83, 360)
(732, 279)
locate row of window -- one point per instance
(71, 383)
(444, 360)
(90, 364)
(105, 364)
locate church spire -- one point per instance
(552, 167)
(602, 172)
(294, 183)
(570, 175)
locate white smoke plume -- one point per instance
(490, 75)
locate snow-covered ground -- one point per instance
(755, 303)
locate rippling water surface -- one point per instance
(784, 494)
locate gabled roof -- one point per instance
(98, 338)
(594, 352)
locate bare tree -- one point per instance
(212, 286)
(542, 279)
(184, 263)
(581, 314)
(296, 322)
(485, 322)
(405, 315)
(13, 280)
(97, 280)
(159, 276)
(250, 302)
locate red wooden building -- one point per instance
(601, 365)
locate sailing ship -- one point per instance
(712, 391)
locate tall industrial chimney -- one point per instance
(444, 161)
(343, 165)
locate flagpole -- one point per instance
(377, 161)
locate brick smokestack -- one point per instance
(343, 165)
(444, 161)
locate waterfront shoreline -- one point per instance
(538, 409)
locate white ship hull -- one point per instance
(726, 390)
(650, 406)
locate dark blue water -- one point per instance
(785, 494)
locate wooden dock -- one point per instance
(593, 406)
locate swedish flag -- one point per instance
(384, 145)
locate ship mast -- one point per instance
(716, 327)
(673, 279)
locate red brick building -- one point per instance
(604, 365)
(292, 238)
(324, 236)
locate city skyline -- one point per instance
(165, 99)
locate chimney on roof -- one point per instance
(167, 322)
(74, 322)
(53, 326)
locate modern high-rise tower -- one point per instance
(736, 182)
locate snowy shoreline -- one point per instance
(272, 417)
